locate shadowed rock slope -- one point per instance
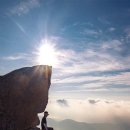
(23, 94)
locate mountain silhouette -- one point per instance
(69, 124)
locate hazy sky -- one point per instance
(92, 45)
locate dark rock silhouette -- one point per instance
(23, 94)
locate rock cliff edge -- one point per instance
(23, 94)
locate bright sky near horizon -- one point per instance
(86, 41)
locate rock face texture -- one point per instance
(24, 94)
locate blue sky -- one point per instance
(91, 39)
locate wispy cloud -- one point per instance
(91, 32)
(112, 29)
(99, 83)
(18, 56)
(113, 44)
(103, 58)
(24, 7)
(75, 67)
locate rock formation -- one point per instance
(24, 94)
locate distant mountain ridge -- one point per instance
(69, 124)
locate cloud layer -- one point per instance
(91, 110)
(98, 67)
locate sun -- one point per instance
(47, 53)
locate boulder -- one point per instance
(24, 94)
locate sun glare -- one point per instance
(47, 54)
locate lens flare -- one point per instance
(47, 53)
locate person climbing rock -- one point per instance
(44, 122)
